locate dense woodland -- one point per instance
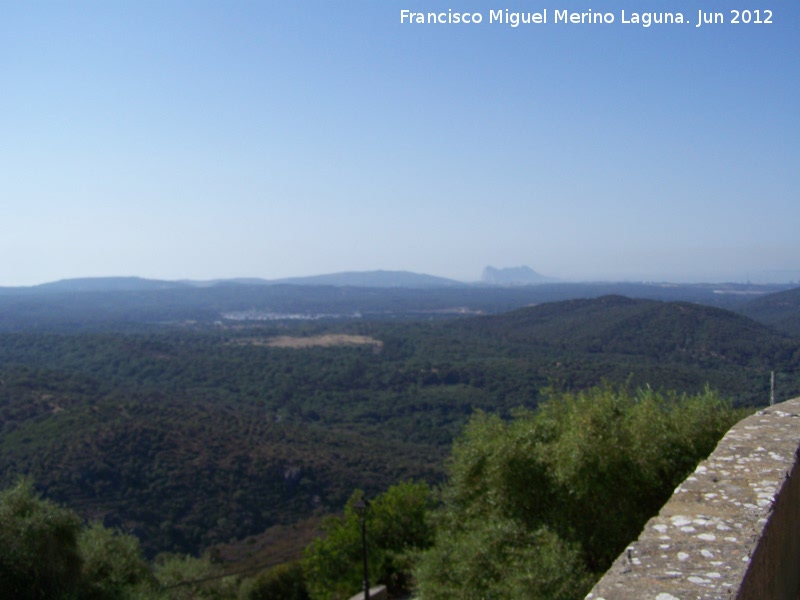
(532, 508)
(190, 434)
(780, 310)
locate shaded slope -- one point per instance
(780, 311)
(620, 325)
(186, 473)
(672, 345)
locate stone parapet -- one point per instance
(731, 530)
(375, 593)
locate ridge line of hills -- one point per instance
(514, 276)
(132, 301)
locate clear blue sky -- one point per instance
(192, 139)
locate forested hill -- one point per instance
(620, 325)
(781, 310)
(671, 345)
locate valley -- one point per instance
(191, 433)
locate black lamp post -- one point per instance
(361, 507)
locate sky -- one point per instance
(193, 139)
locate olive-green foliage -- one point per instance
(397, 528)
(113, 566)
(39, 555)
(284, 582)
(45, 554)
(496, 558)
(187, 433)
(185, 577)
(555, 494)
(610, 459)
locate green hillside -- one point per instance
(194, 435)
(780, 310)
(664, 330)
(187, 468)
(670, 345)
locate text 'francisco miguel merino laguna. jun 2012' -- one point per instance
(587, 17)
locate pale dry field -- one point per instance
(325, 341)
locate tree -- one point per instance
(113, 566)
(495, 559)
(397, 527)
(538, 507)
(188, 578)
(39, 556)
(284, 582)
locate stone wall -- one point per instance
(375, 593)
(731, 530)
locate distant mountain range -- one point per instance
(366, 279)
(513, 276)
(384, 279)
(132, 301)
(104, 284)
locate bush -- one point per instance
(189, 578)
(39, 557)
(284, 582)
(576, 479)
(397, 528)
(495, 558)
(113, 566)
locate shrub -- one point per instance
(284, 582)
(39, 557)
(397, 527)
(544, 503)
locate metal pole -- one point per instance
(364, 547)
(361, 506)
(772, 389)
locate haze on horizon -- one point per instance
(205, 140)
